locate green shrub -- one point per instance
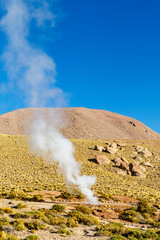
(118, 237)
(83, 209)
(8, 210)
(151, 234)
(144, 207)
(81, 218)
(110, 229)
(64, 231)
(134, 232)
(35, 225)
(12, 237)
(132, 216)
(3, 222)
(32, 237)
(80, 196)
(37, 198)
(57, 220)
(58, 208)
(19, 225)
(21, 205)
(20, 215)
(71, 223)
(67, 195)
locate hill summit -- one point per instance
(82, 123)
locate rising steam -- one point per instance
(32, 71)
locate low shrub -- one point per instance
(81, 218)
(118, 237)
(8, 210)
(21, 205)
(58, 208)
(64, 231)
(67, 195)
(132, 216)
(83, 209)
(32, 237)
(35, 225)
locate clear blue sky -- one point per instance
(107, 55)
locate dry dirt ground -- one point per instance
(82, 123)
(106, 212)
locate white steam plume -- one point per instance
(32, 71)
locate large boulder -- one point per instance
(137, 170)
(102, 159)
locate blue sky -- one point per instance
(107, 56)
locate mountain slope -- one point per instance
(82, 124)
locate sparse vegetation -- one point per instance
(58, 208)
(32, 237)
(143, 213)
(21, 205)
(23, 173)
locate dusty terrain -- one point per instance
(83, 123)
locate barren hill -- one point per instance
(82, 124)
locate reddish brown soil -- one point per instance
(82, 124)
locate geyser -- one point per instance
(33, 72)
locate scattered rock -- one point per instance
(122, 163)
(124, 166)
(121, 172)
(117, 161)
(112, 148)
(145, 153)
(137, 170)
(139, 148)
(124, 160)
(133, 124)
(121, 144)
(102, 159)
(137, 158)
(147, 164)
(113, 145)
(99, 148)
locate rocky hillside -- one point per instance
(82, 123)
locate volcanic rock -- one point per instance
(102, 159)
(137, 170)
(121, 172)
(112, 148)
(137, 158)
(119, 144)
(147, 164)
(145, 153)
(99, 148)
